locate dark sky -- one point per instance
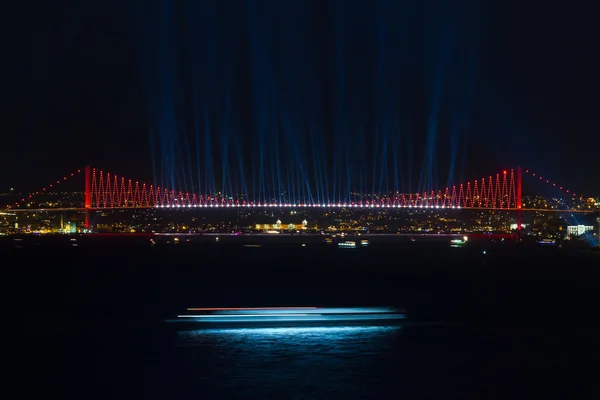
(92, 83)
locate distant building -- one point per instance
(279, 226)
(69, 228)
(514, 227)
(578, 230)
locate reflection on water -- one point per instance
(305, 362)
(293, 337)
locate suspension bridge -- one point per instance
(103, 191)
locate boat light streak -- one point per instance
(248, 308)
(244, 315)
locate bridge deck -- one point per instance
(11, 210)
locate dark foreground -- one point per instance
(515, 322)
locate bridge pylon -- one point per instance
(519, 198)
(88, 195)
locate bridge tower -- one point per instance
(88, 195)
(519, 198)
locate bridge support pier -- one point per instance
(88, 216)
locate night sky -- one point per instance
(422, 92)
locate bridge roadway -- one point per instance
(13, 210)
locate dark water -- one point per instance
(515, 323)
